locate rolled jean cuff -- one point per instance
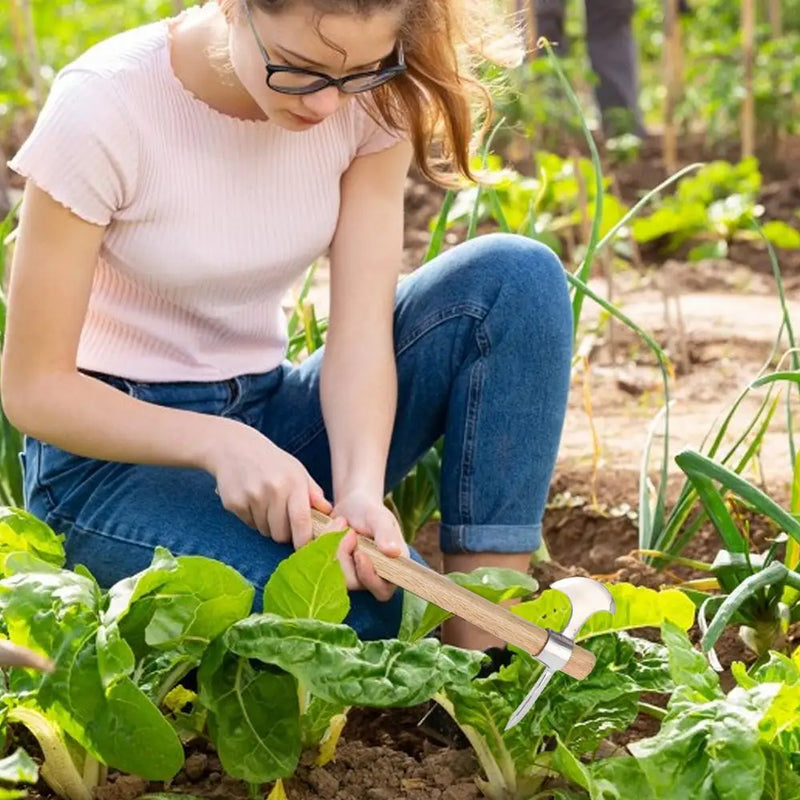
(489, 538)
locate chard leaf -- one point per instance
(781, 782)
(57, 613)
(168, 613)
(606, 701)
(581, 713)
(708, 750)
(506, 757)
(688, 667)
(636, 607)
(253, 716)
(782, 718)
(310, 583)
(568, 766)
(605, 779)
(494, 583)
(778, 669)
(331, 662)
(22, 531)
(618, 779)
(178, 603)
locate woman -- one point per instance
(174, 193)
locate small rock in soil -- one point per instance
(323, 782)
(380, 793)
(125, 787)
(195, 766)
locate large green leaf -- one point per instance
(166, 615)
(618, 779)
(178, 603)
(310, 583)
(636, 607)
(712, 746)
(21, 531)
(58, 614)
(606, 701)
(331, 662)
(688, 667)
(781, 782)
(253, 716)
(708, 750)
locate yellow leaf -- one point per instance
(637, 607)
(278, 792)
(327, 747)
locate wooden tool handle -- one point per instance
(441, 591)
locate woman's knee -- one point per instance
(518, 266)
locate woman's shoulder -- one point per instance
(122, 60)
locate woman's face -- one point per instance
(298, 37)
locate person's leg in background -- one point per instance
(614, 58)
(549, 22)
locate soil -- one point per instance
(718, 321)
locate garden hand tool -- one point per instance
(556, 650)
(586, 597)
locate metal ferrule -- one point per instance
(556, 651)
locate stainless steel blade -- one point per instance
(525, 706)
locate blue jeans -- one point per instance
(483, 342)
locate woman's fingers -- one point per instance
(369, 579)
(345, 554)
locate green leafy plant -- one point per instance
(712, 745)
(714, 206)
(521, 762)
(281, 682)
(758, 591)
(116, 653)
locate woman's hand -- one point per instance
(260, 483)
(370, 517)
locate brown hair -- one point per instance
(436, 101)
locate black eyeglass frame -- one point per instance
(386, 73)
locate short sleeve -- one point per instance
(81, 150)
(374, 136)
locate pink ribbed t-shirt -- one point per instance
(210, 219)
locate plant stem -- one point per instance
(652, 711)
(58, 770)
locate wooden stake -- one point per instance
(672, 66)
(531, 28)
(775, 18)
(22, 15)
(748, 17)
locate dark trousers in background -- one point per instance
(612, 53)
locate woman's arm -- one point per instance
(359, 380)
(44, 394)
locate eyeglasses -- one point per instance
(296, 80)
